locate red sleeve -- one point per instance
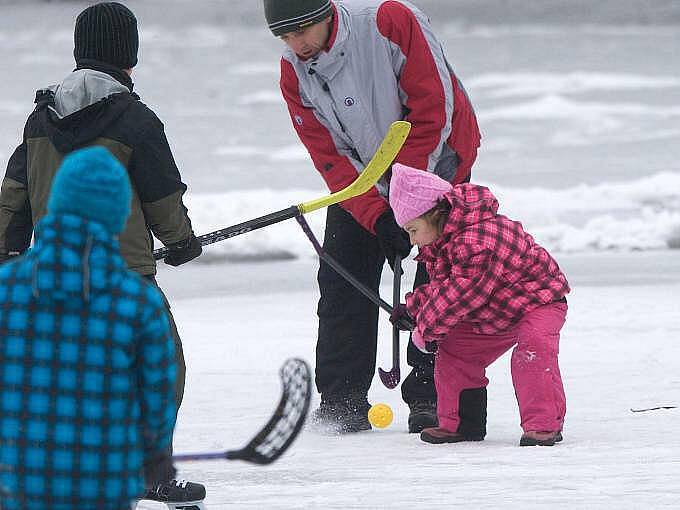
(420, 80)
(337, 170)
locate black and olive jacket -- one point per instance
(93, 108)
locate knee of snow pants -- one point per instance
(179, 351)
(535, 369)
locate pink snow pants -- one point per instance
(462, 358)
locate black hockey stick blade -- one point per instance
(657, 408)
(284, 425)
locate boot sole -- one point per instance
(354, 428)
(527, 441)
(194, 505)
(442, 440)
(534, 442)
(331, 427)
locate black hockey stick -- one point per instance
(282, 428)
(370, 294)
(381, 161)
(657, 408)
(391, 379)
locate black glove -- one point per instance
(158, 468)
(183, 251)
(401, 318)
(392, 238)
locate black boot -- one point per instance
(342, 416)
(437, 435)
(176, 491)
(472, 412)
(422, 415)
(539, 438)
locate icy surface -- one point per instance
(619, 350)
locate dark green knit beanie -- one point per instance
(290, 15)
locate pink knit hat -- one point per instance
(414, 192)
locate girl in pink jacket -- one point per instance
(491, 288)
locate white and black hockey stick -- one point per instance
(281, 429)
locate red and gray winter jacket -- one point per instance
(484, 269)
(382, 64)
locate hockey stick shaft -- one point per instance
(390, 378)
(396, 299)
(323, 255)
(381, 161)
(202, 456)
(241, 228)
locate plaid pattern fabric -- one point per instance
(86, 386)
(484, 269)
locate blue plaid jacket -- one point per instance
(87, 373)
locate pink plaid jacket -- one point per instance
(484, 269)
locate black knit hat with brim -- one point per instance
(107, 32)
(290, 15)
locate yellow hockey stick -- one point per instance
(381, 161)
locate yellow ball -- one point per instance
(380, 415)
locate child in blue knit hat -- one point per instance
(95, 103)
(87, 356)
(92, 184)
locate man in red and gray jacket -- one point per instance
(350, 69)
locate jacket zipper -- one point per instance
(327, 89)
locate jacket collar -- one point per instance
(83, 88)
(329, 61)
(470, 204)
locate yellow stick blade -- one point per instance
(381, 161)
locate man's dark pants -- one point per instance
(348, 321)
(160, 468)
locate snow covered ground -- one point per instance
(619, 350)
(578, 105)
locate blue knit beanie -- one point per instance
(92, 184)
